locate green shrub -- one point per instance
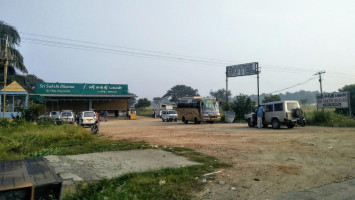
(32, 112)
(223, 117)
(4, 123)
(148, 112)
(328, 118)
(45, 121)
(20, 139)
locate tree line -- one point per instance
(243, 104)
(17, 70)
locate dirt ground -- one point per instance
(267, 163)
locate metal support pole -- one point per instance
(226, 90)
(257, 76)
(349, 100)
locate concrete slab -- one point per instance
(76, 170)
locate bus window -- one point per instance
(210, 105)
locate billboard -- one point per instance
(81, 89)
(333, 100)
(242, 69)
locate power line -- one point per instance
(151, 56)
(298, 84)
(160, 55)
(122, 53)
(135, 49)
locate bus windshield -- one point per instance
(210, 106)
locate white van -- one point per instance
(169, 115)
(87, 118)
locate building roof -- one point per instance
(14, 87)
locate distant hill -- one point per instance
(310, 96)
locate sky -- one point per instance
(157, 44)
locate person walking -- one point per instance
(260, 113)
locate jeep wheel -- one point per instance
(290, 125)
(250, 123)
(163, 119)
(275, 124)
(303, 123)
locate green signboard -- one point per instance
(81, 89)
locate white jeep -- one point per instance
(277, 113)
(169, 115)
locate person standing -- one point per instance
(260, 113)
(128, 114)
(106, 115)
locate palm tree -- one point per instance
(14, 56)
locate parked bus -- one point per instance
(198, 109)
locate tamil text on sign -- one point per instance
(81, 88)
(333, 100)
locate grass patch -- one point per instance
(19, 140)
(327, 118)
(169, 183)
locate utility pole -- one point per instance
(5, 77)
(320, 80)
(257, 76)
(227, 91)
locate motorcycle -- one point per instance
(95, 128)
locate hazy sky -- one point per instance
(153, 45)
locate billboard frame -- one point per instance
(240, 70)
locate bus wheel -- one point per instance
(211, 122)
(196, 121)
(183, 120)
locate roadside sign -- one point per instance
(246, 69)
(81, 88)
(333, 100)
(242, 69)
